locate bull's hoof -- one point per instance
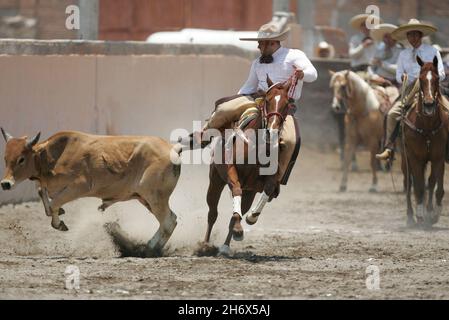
(61, 227)
(151, 252)
(205, 249)
(61, 212)
(343, 188)
(224, 251)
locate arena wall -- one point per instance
(131, 88)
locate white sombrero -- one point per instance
(413, 25)
(384, 28)
(269, 32)
(357, 20)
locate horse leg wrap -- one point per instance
(237, 205)
(257, 209)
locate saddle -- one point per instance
(247, 117)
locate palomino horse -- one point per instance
(425, 132)
(245, 180)
(363, 120)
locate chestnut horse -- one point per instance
(245, 179)
(425, 134)
(363, 119)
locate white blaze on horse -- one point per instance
(246, 179)
(363, 119)
(72, 165)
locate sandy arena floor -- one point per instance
(312, 242)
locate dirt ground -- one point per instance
(311, 243)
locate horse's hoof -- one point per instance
(224, 250)
(343, 188)
(251, 219)
(61, 211)
(205, 249)
(373, 189)
(238, 235)
(411, 223)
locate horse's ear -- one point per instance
(269, 82)
(331, 73)
(435, 62)
(420, 62)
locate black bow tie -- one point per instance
(266, 59)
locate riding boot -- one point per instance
(388, 152)
(389, 147)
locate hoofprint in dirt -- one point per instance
(313, 242)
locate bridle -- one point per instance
(267, 115)
(421, 96)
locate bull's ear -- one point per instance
(420, 62)
(32, 142)
(435, 62)
(6, 135)
(269, 82)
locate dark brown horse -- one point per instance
(245, 179)
(425, 133)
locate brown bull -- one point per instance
(72, 165)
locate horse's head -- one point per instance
(429, 86)
(342, 89)
(276, 104)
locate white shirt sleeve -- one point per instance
(303, 63)
(400, 68)
(355, 48)
(252, 83)
(441, 72)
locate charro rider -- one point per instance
(361, 45)
(384, 63)
(280, 64)
(413, 31)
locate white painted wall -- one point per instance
(138, 95)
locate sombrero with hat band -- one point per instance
(413, 25)
(269, 32)
(379, 32)
(357, 20)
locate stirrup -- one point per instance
(384, 155)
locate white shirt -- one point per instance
(358, 54)
(280, 70)
(389, 58)
(407, 62)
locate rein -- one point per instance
(267, 115)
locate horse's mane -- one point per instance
(361, 89)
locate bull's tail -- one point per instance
(175, 157)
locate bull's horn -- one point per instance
(32, 142)
(6, 135)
